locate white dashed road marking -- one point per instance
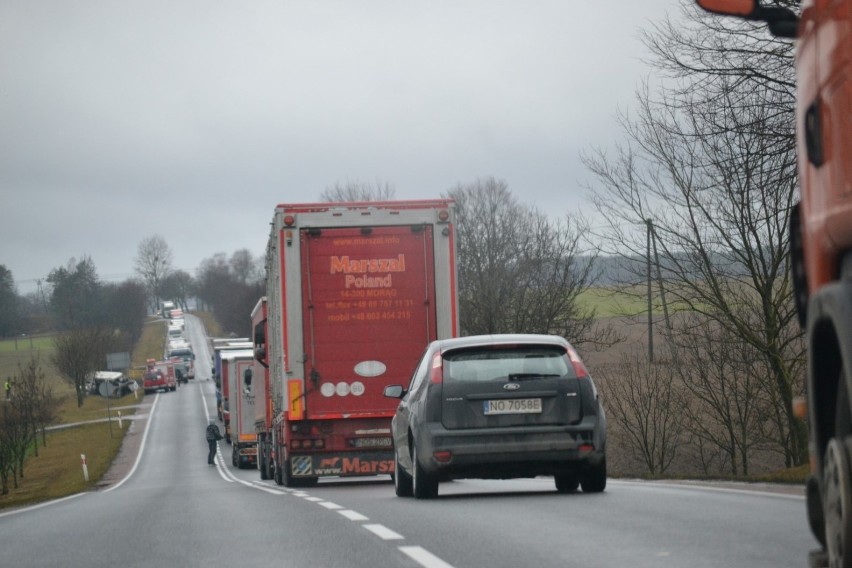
(383, 532)
(424, 557)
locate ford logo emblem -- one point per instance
(511, 386)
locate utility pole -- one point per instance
(648, 229)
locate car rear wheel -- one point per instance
(424, 485)
(595, 480)
(566, 483)
(402, 482)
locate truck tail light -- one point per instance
(586, 448)
(577, 363)
(437, 376)
(307, 444)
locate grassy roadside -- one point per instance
(57, 470)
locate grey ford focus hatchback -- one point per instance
(498, 407)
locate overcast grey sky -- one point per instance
(193, 119)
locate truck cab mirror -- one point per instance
(741, 8)
(782, 22)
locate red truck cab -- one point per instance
(821, 250)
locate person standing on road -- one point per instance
(213, 436)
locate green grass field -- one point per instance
(56, 471)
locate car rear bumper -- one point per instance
(510, 452)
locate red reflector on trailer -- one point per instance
(586, 447)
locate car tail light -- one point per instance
(577, 363)
(437, 375)
(586, 448)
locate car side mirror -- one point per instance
(394, 391)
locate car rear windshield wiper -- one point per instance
(528, 376)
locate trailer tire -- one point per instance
(261, 465)
(286, 477)
(279, 480)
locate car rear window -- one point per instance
(499, 363)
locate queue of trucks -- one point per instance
(821, 250)
(355, 293)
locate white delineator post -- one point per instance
(85, 467)
(119, 420)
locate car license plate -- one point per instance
(513, 406)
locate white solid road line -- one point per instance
(141, 446)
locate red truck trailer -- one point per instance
(355, 293)
(821, 250)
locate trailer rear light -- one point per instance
(289, 220)
(577, 363)
(586, 448)
(442, 456)
(307, 444)
(443, 215)
(437, 376)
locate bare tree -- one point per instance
(726, 380)
(13, 435)
(79, 353)
(153, 263)
(518, 270)
(33, 399)
(178, 286)
(646, 406)
(244, 267)
(359, 191)
(709, 162)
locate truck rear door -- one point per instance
(369, 311)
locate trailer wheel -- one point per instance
(261, 463)
(286, 477)
(279, 480)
